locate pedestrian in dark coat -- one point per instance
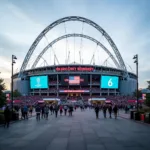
(97, 111)
(115, 109)
(110, 110)
(56, 108)
(70, 110)
(104, 110)
(51, 109)
(7, 116)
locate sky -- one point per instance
(126, 21)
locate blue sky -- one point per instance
(126, 21)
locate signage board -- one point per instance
(109, 82)
(74, 69)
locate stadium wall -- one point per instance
(21, 85)
(127, 87)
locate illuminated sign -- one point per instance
(74, 91)
(38, 82)
(109, 82)
(74, 69)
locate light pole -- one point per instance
(137, 64)
(13, 62)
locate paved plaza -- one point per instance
(80, 132)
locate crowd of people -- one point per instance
(106, 108)
(33, 100)
(43, 111)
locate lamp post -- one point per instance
(13, 62)
(137, 63)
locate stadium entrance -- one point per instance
(97, 101)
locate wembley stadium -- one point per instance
(75, 81)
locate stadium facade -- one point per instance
(75, 81)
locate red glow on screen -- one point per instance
(74, 68)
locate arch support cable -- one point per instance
(55, 57)
(76, 35)
(93, 54)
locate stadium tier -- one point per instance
(75, 82)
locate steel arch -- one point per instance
(75, 35)
(72, 18)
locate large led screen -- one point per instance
(74, 80)
(109, 82)
(39, 82)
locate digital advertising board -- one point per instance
(109, 82)
(39, 82)
(74, 80)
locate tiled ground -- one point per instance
(80, 132)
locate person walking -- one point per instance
(104, 111)
(110, 110)
(97, 111)
(25, 110)
(115, 109)
(31, 110)
(46, 110)
(7, 116)
(22, 113)
(126, 109)
(51, 109)
(70, 110)
(43, 113)
(38, 112)
(81, 107)
(61, 110)
(65, 109)
(75, 107)
(56, 108)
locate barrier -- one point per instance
(142, 117)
